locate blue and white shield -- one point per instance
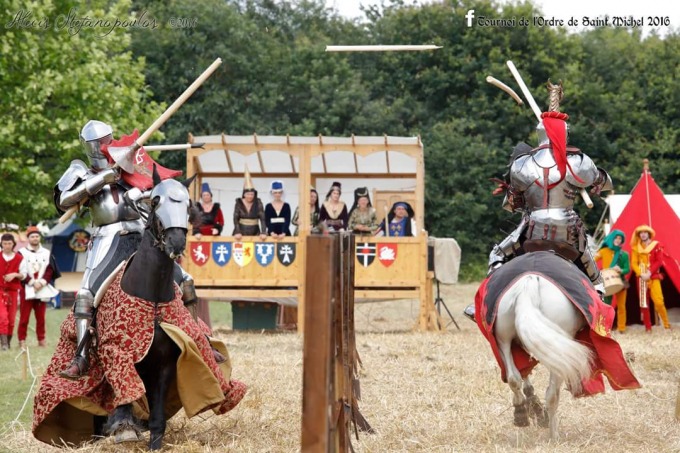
(221, 252)
(264, 253)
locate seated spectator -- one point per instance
(211, 220)
(400, 221)
(362, 216)
(313, 213)
(333, 212)
(277, 213)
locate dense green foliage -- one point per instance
(55, 74)
(276, 79)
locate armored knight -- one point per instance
(118, 213)
(542, 184)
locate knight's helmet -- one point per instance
(556, 94)
(93, 135)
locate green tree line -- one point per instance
(277, 79)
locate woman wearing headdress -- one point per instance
(333, 212)
(211, 220)
(313, 213)
(362, 216)
(249, 212)
(277, 213)
(400, 221)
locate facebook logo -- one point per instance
(469, 16)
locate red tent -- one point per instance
(648, 206)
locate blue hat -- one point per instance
(277, 185)
(205, 187)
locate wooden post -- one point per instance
(304, 184)
(330, 390)
(322, 270)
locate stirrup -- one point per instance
(219, 358)
(77, 369)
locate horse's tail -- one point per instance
(545, 340)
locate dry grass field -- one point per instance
(424, 392)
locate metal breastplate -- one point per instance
(109, 206)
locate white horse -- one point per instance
(535, 312)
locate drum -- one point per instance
(612, 281)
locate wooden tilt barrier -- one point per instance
(330, 390)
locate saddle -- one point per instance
(562, 249)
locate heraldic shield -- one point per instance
(286, 252)
(200, 252)
(221, 252)
(387, 254)
(365, 253)
(264, 253)
(243, 253)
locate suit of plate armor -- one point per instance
(548, 214)
(118, 214)
(542, 184)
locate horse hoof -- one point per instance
(521, 416)
(522, 423)
(126, 435)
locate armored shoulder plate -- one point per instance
(584, 168)
(77, 170)
(519, 150)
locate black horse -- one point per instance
(149, 276)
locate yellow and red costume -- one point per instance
(652, 256)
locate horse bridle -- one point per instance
(155, 228)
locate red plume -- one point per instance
(556, 130)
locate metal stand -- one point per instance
(439, 303)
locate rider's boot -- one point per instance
(470, 312)
(495, 261)
(82, 312)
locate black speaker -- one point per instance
(430, 258)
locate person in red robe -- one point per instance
(10, 288)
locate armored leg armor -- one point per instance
(82, 312)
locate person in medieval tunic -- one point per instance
(400, 221)
(211, 219)
(612, 256)
(542, 184)
(313, 214)
(362, 217)
(277, 213)
(647, 258)
(10, 288)
(249, 212)
(333, 212)
(40, 268)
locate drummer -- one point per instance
(611, 256)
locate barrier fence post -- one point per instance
(320, 277)
(330, 386)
